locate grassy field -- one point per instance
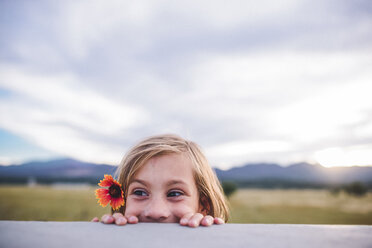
(247, 206)
(49, 204)
(299, 207)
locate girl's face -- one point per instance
(163, 190)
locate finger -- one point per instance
(119, 219)
(207, 220)
(195, 220)
(218, 221)
(185, 219)
(132, 219)
(107, 219)
(117, 215)
(95, 219)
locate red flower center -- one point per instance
(115, 191)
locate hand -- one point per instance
(194, 220)
(116, 218)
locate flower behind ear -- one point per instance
(113, 195)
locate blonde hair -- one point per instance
(211, 195)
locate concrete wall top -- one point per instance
(97, 235)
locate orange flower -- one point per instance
(113, 195)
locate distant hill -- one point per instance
(259, 174)
(300, 172)
(56, 170)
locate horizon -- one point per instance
(214, 167)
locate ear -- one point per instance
(204, 206)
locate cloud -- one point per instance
(304, 99)
(58, 113)
(237, 152)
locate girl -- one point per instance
(168, 179)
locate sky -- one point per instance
(249, 81)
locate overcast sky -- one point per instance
(249, 81)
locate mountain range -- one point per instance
(303, 172)
(74, 170)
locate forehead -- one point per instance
(174, 166)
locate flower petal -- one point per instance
(116, 203)
(117, 183)
(107, 181)
(103, 201)
(101, 192)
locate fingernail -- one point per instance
(209, 221)
(121, 221)
(132, 219)
(192, 223)
(183, 221)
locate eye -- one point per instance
(139, 192)
(174, 194)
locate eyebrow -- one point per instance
(173, 182)
(139, 181)
(170, 183)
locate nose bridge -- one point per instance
(157, 208)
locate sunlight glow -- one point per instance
(336, 156)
